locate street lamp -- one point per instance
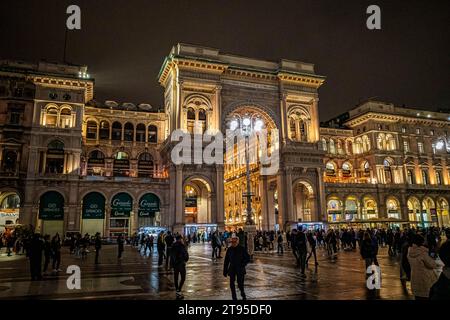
(247, 129)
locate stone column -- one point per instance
(284, 122)
(282, 210)
(289, 196)
(107, 219)
(218, 110)
(179, 221)
(321, 214)
(265, 210)
(220, 216)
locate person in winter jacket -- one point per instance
(236, 259)
(368, 250)
(422, 268)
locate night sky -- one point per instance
(124, 43)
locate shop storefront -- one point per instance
(200, 229)
(93, 213)
(121, 207)
(51, 213)
(149, 211)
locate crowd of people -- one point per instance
(421, 252)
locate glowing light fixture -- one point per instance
(246, 121)
(440, 145)
(259, 124)
(233, 124)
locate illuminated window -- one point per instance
(121, 165)
(425, 176)
(418, 131)
(145, 165)
(202, 119)
(403, 130)
(324, 144)
(406, 146)
(387, 171)
(438, 178)
(420, 147)
(330, 169)
(51, 117)
(65, 118)
(96, 163)
(292, 129)
(190, 120)
(410, 177)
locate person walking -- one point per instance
(179, 257)
(294, 239)
(279, 243)
(367, 250)
(120, 248)
(47, 252)
(236, 259)
(312, 245)
(169, 242)
(160, 247)
(98, 246)
(302, 250)
(422, 269)
(35, 254)
(56, 250)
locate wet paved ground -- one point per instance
(270, 276)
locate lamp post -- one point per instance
(247, 128)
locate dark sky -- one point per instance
(124, 43)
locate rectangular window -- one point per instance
(420, 147)
(431, 132)
(406, 146)
(403, 130)
(418, 131)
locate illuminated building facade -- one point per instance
(71, 164)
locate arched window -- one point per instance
(117, 131)
(324, 144)
(121, 164)
(104, 130)
(91, 130)
(340, 147)
(425, 176)
(65, 118)
(190, 120)
(202, 119)
(55, 157)
(128, 132)
(357, 147)
(11, 201)
(292, 129)
(152, 134)
(381, 141)
(10, 161)
(410, 177)
(349, 147)
(145, 165)
(303, 130)
(390, 142)
(346, 169)
(332, 147)
(330, 169)
(438, 177)
(140, 132)
(387, 171)
(96, 163)
(51, 116)
(365, 143)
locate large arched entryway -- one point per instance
(442, 211)
(121, 208)
(303, 201)
(429, 215)
(334, 209)
(197, 206)
(9, 210)
(414, 210)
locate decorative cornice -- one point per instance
(304, 80)
(87, 86)
(391, 118)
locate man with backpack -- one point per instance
(179, 257)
